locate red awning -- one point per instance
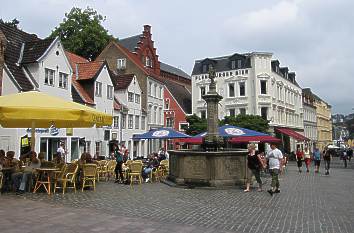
(192, 140)
(267, 138)
(293, 134)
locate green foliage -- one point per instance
(253, 122)
(196, 125)
(13, 23)
(81, 32)
(350, 126)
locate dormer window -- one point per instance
(49, 77)
(233, 64)
(121, 63)
(148, 62)
(98, 89)
(205, 69)
(239, 64)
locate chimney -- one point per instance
(76, 71)
(2, 57)
(147, 28)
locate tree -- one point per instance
(81, 32)
(196, 125)
(350, 126)
(253, 122)
(13, 23)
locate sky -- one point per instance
(314, 38)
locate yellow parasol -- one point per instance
(35, 109)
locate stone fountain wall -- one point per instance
(214, 169)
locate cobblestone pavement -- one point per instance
(308, 202)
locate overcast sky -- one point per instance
(314, 38)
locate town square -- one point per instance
(159, 116)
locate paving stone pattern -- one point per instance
(308, 203)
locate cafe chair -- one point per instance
(67, 177)
(1, 177)
(102, 170)
(89, 176)
(111, 165)
(164, 168)
(135, 172)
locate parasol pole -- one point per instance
(33, 134)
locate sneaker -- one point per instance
(246, 190)
(270, 192)
(147, 180)
(277, 191)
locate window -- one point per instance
(231, 90)
(155, 91)
(121, 63)
(116, 122)
(130, 97)
(246, 71)
(49, 77)
(88, 147)
(155, 115)
(98, 149)
(137, 122)
(107, 134)
(242, 111)
(203, 114)
(204, 69)
(148, 62)
(202, 91)
(233, 64)
(114, 136)
(160, 93)
(170, 122)
(150, 88)
(239, 64)
(143, 122)
(130, 121)
(124, 120)
(109, 92)
(263, 87)
(183, 126)
(232, 112)
(242, 89)
(167, 104)
(160, 118)
(264, 112)
(98, 89)
(137, 98)
(63, 80)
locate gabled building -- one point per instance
(137, 55)
(324, 122)
(178, 104)
(30, 63)
(129, 117)
(253, 84)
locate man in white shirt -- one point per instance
(275, 159)
(62, 151)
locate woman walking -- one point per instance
(327, 159)
(307, 156)
(254, 164)
(299, 158)
(119, 159)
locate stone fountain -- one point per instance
(212, 166)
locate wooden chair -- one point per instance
(1, 178)
(164, 168)
(111, 165)
(102, 170)
(135, 171)
(89, 176)
(67, 177)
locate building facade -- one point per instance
(310, 117)
(253, 84)
(31, 63)
(324, 123)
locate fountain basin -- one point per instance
(212, 169)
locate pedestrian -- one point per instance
(317, 159)
(275, 159)
(61, 151)
(344, 157)
(307, 157)
(327, 159)
(299, 158)
(254, 164)
(119, 159)
(162, 154)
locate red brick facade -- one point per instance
(173, 111)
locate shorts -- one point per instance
(299, 163)
(317, 162)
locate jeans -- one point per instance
(25, 177)
(275, 177)
(119, 170)
(146, 172)
(327, 164)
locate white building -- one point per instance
(35, 64)
(253, 84)
(310, 117)
(129, 117)
(155, 103)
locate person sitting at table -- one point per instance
(2, 158)
(10, 160)
(152, 165)
(58, 160)
(41, 157)
(20, 179)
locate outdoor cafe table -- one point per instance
(44, 181)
